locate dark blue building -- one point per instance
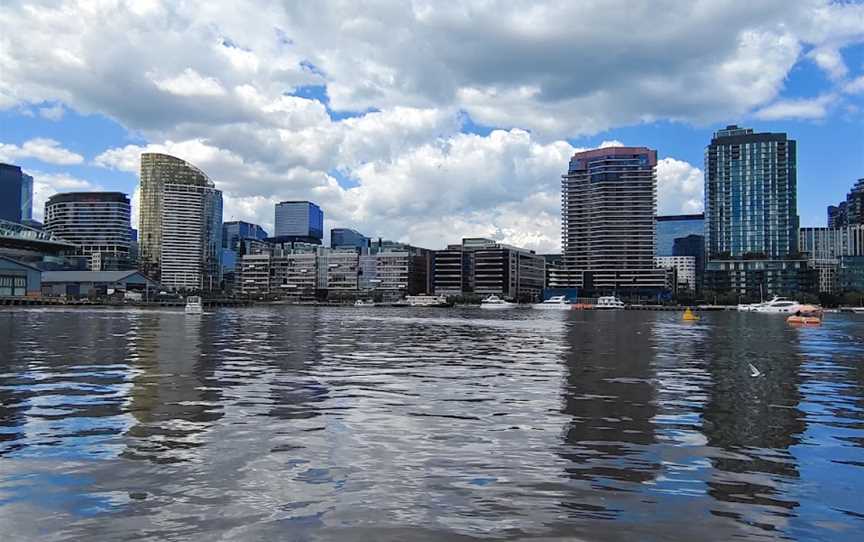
(692, 245)
(233, 232)
(673, 227)
(299, 221)
(16, 194)
(346, 237)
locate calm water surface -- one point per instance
(304, 423)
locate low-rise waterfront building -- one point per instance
(824, 247)
(485, 267)
(94, 283)
(761, 278)
(18, 279)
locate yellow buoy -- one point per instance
(689, 316)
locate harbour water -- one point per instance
(317, 423)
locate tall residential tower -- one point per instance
(180, 224)
(98, 224)
(608, 201)
(751, 220)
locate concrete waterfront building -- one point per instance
(390, 271)
(751, 222)
(338, 271)
(95, 283)
(180, 224)
(16, 194)
(672, 227)
(608, 204)
(299, 221)
(685, 269)
(483, 267)
(97, 223)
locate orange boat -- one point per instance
(804, 320)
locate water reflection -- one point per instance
(373, 424)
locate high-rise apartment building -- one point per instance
(751, 221)
(97, 223)
(180, 224)
(16, 194)
(851, 211)
(750, 195)
(299, 221)
(609, 199)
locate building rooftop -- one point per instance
(90, 276)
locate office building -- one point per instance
(850, 274)
(825, 247)
(16, 194)
(389, 271)
(685, 270)
(484, 267)
(180, 228)
(300, 221)
(609, 200)
(851, 211)
(751, 222)
(235, 231)
(345, 237)
(692, 245)
(97, 223)
(671, 227)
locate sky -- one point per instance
(425, 121)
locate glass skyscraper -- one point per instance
(180, 224)
(16, 194)
(672, 227)
(750, 195)
(299, 221)
(751, 218)
(233, 232)
(346, 237)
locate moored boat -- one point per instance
(558, 302)
(364, 303)
(495, 302)
(609, 302)
(426, 300)
(194, 305)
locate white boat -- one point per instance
(558, 302)
(426, 300)
(609, 302)
(364, 303)
(495, 302)
(194, 305)
(777, 305)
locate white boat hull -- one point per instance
(552, 306)
(497, 306)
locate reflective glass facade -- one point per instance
(750, 195)
(97, 223)
(180, 224)
(299, 219)
(672, 227)
(12, 192)
(345, 237)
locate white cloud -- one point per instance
(212, 82)
(830, 60)
(189, 83)
(855, 86)
(807, 108)
(46, 185)
(680, 187)
(54, 112)
(42, 149)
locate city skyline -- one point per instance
(273, 118)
